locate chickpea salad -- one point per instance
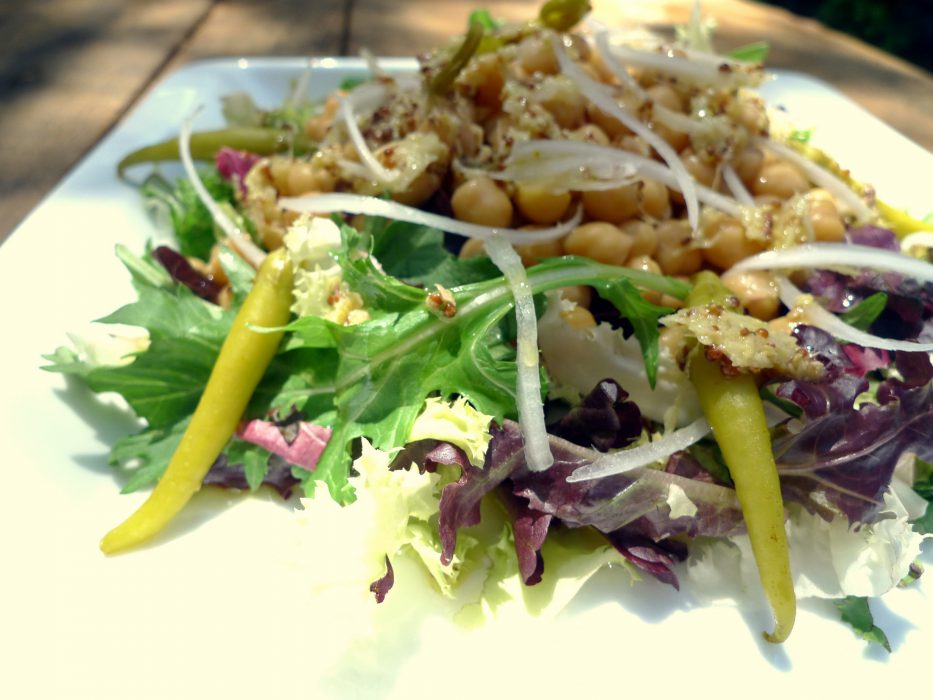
(564, 293)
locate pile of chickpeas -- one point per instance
(641, 225)
(635, 225)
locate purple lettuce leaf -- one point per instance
(233, 165)
(655, 558)
(183, 272)
(908, 314)
(227, 475)
(873, 236)
(849, 454)
(605, 419)
(380, 587)
(865, 360)
(460, 505)
(460, 501)
(909, 311)
(637, 501)
(529, 529)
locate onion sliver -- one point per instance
(596, 93)
(816, 315)
(240, 240)
(373, 206)
(690, 69)
(822, 177)
(643, 455)
(528, 390)
(378, 170)
(736, 186)
(616, 68)
(566, 158)
(839, 255)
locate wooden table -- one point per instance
(69, 69)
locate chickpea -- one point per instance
(562, 98)
(671, 302)
(678, 140)
(326, 182)
(301, 179)
(634, 144)
(579, 294)
(214, 269)
(577, 45)
(655, 200)
(472, 248)
(590, 133)
(579, 318)
(824, 218)
(481, 201)
(614, 205)
(727, 242)
(747, 164)
(782, 324)
(484, 74)
(780, 179)
(600, 69)
(225, 297)
(666, 95)
(279, 169)
(756, 290)
(787, 323)
(643, 262)
(418, 190)
(533, 253)
(611, 126)
(648, 264)
(535, 55)
(541, 204)
(702, 170)
(751, 114)
(674, 254)
(600, 241)
(645, 237)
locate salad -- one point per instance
(565, 292)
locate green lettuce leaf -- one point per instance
(192, 222)
(366, 380)
(855, 612)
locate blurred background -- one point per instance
(69, 69)
(901, 27)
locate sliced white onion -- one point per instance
(377, 169)
(816, 315)
(643, 455)
(839, 255)
(569, 159)
(373, 206)
(528, 390)
(239, 239)
(822, 177)
(597, 94)
(616, 68)
(668, 117)
(696, 68)
(736, 186)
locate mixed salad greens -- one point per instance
(336, 320)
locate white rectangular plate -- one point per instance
(221, 606)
